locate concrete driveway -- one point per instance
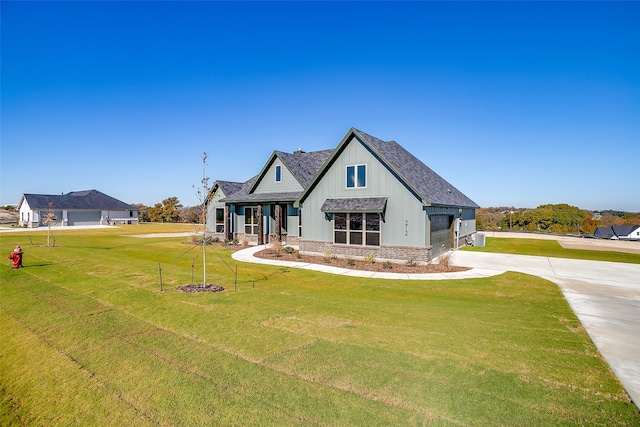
(605, 296)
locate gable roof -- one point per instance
(604, 232)
(422, 181)
(242, 194)
(227, 188)
(77, 200)
(624, 230)
(303, 166)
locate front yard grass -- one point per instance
(88, 338)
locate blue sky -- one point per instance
(516, 104)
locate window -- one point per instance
(299, 222)
(357, 228)
(340, 227)
(372, 230)
(356, 176)
(251, 220)
(278, 173)
(219, 220)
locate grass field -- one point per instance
(89, 339)
(550, 248)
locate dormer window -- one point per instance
(278, 173)
(356, 176)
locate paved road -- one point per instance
(604, 295)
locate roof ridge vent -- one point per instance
(298, 151)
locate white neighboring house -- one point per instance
(89, 207)
(627, 231)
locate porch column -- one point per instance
(260, 226)
(227, 223)
(278, 215)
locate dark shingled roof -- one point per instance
(418, 177)
(433, 189)
(230, 187)
(623, 230)
(302, 165)
(355, 204)
(241, 194)
(262, 197)
(604, 233)
(78, 200)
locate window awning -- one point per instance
(355, 204)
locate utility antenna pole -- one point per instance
(205, 190)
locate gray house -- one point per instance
(366, 196)
(89, 207)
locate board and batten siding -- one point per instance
(404, 217)
(287, 184)
(468, 223)
(211, 208)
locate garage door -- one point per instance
(84, 218)
(441, 233)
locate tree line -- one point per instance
(557, 219)
(170, 210)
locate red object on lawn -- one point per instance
(16, 257)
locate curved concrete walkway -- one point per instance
(246, 255)
(605, 296)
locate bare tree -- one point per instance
(203, 193)
(49, 220)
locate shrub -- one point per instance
(444, 261)
(350, 262)
(411, 262)
(289, 250)
(276, 247)
(327, 256)
(387, 265)
(370, 258)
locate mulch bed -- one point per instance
(192, 288)
(354, 264)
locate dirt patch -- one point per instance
(8, 217)
(571, 242)
(602, 245)
(354, 264)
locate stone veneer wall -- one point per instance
(399, 254)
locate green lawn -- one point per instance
(88, 338)
(550, 248)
